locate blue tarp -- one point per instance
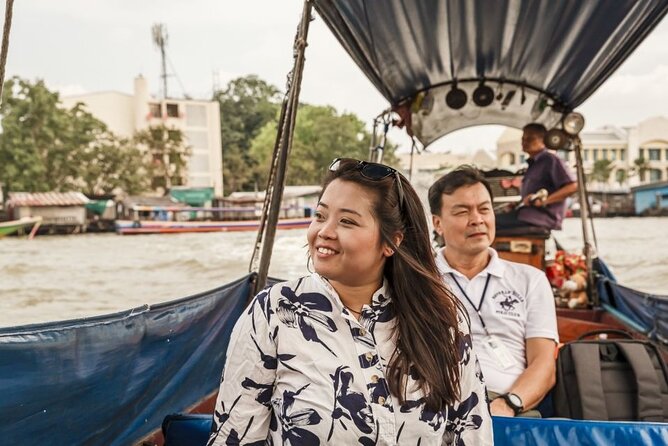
(644, 311)
(193, 430)
(110, 380)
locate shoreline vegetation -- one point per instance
(45, 147)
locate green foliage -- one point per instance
(321, 134)
(601, 170)
(640, 167)
(246, 105)
(169, 153)
(112, 164)
(45, 147)
(621, 176)
(36, 146)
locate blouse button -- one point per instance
(381, 400)
(369, 356)
(374, 378)
(362, 332)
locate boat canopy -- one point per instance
(530, 60)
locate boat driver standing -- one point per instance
(546, 171)
(510, 305)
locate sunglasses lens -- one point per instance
(376, 171)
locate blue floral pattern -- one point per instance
(302, 370)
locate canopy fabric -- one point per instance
(646, 312)
(110, 380)
(553, 54)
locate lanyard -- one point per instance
(482, 298)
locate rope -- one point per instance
(9, 10)
(285, 131)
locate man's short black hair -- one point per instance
(536, 129)
(462, 176)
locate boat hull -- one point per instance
(11, 227)
(129, 227)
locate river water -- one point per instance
(63, 277)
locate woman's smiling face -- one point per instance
(344, 237)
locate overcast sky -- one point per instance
(81, 46)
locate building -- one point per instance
(199, 120)
(651, 199)
(60, 211)
(298, 201)
(648, 140)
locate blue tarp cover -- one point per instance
(647, 312)
(110, 380)
(562, 50)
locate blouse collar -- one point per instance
(378, 310)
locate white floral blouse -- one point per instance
(301, 370)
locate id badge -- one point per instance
(500, 351)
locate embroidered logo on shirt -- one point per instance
(507, 302)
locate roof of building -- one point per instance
(140, 200)
(289, 192)
(435, 161)
(605, 134)
(510, 134)
(43, 199)
(650, 186)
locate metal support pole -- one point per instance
(372, 144)
(284, 144)
(9, 11)
(589, 249)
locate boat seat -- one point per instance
(525, 231)
(522, 245)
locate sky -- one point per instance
(79, 46)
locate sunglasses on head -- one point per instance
(371, 171)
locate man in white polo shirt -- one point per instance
(511, 305)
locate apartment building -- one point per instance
(199, 120)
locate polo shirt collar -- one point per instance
(537, 156)
(495, 266)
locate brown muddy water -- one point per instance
(64, 277)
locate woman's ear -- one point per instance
(387, 250)
(436, 220)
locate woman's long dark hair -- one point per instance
(426, 334)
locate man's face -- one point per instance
(531, 143)
(466, 221)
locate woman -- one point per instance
(372, 348)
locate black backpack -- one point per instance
(611, 380)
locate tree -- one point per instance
(321, 134)
(621, 176)
(169, 154)
(246, 105)
(640, 167)
(601, 170)
(111, 164)
(35, 147)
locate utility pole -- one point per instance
(160, 40)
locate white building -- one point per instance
(199, 120)
(622, 146)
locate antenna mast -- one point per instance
(160, 40)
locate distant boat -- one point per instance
(12, 226)
(165, 220)
(129, 227)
